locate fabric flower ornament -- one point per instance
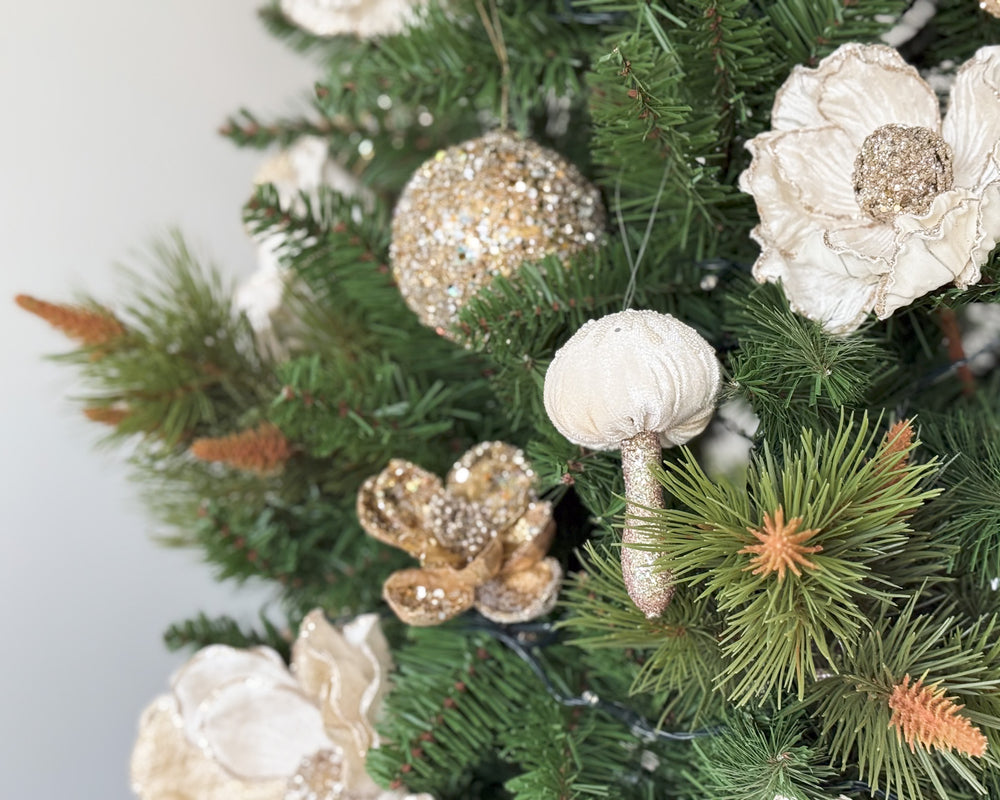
(480, 536)
(237, 725)
(364, 18)
(866, 199)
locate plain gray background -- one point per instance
(108, 113)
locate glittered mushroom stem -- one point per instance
(650, 589)
(635, 381)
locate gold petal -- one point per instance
(393, 507)
(485, 565)
(527, 540)
(497, 476)
(425, 597)
(521, 596)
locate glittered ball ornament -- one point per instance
(480, 209)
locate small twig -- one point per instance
(953, 335)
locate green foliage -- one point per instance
(201, 630)
(448, 65)
(186, 366)
(968, 440)
(780, 626)
(679, 651)
(759, 760)
(947, 651)
(791, 372)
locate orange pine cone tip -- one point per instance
(107, 415)
(898, 438)
(263, 449)
(781, 546)
(86, 325)
(923, 716)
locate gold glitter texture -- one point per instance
(900, 170)
(781, 546)
(480, 536)
(480, 209)
(318, 777)
(923, 716)
(651, 590)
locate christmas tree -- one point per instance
(613, 411)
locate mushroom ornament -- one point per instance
(634, 381)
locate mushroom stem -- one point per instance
(649, 589)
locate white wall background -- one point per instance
(108, 113)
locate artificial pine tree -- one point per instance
(822, 620)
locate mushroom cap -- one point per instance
(628, 373)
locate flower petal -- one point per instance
(166, 766)
(218, 665)
(857, 88)
(497, 476)
(871, 86)
(259, 731)
(392, 506)
(527, 540)
(873, 241)
(818, 166)
(972, 124)
(345, 671)
(425, 597)
(522, 595)
(948, 244)
(834, 289)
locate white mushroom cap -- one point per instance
(628, 373)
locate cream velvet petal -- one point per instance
(796, 104)
(259, 732)
(875, 242)
(344, 675)
(934, 250)
(783, 222)
(834, 289)
(972, 124)
(818, 165)
(868, 86)
(989, 228)
(196, 681)
(166, 766)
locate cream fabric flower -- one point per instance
(933, 207)
(363, 18)
(238, 725)
(302, 168)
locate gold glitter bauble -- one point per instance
(480, 209)
(990, 7)
(900, 170)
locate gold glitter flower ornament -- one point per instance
(239, 725)
(867, 200)
(480, 536)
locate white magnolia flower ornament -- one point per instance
(238, 725)
(867, 200)
(362, 18)
(301, 169)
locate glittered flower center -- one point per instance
(900, 170)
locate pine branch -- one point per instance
(750, 760)
(854, 708)
(201, 631)
(852, 498)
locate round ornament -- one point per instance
(478, 210)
